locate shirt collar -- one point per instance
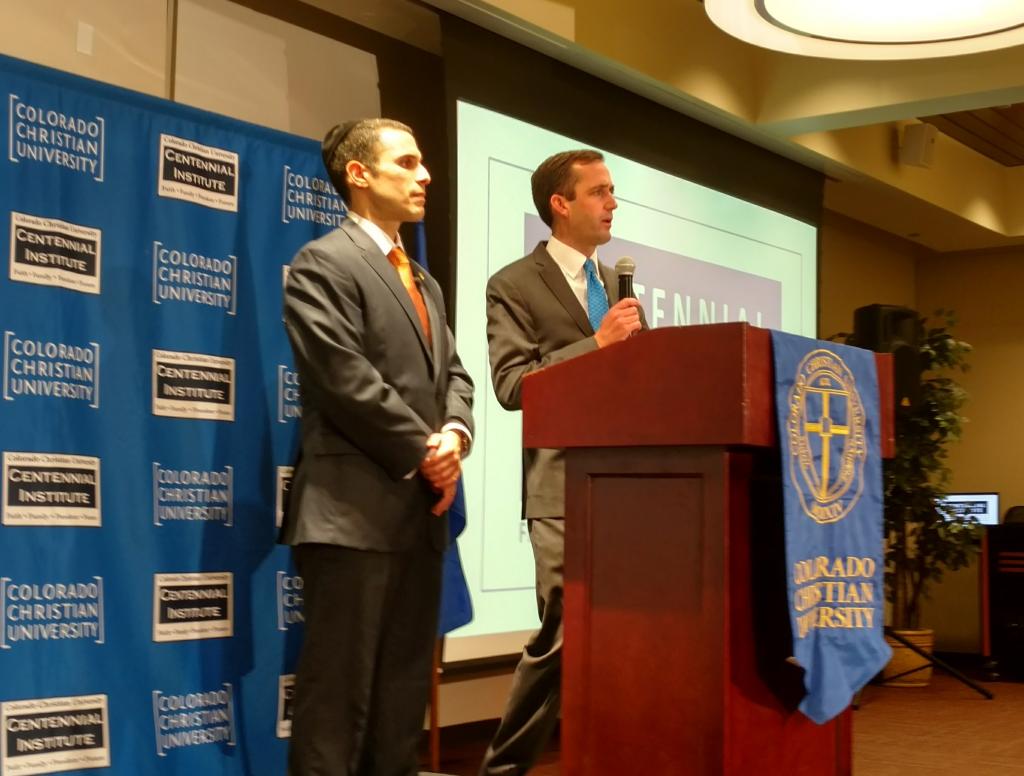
(569, 259)
(375, 233)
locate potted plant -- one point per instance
(922, 538)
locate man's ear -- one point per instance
(355, 174)
(559, 205)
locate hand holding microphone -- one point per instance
(623, 318)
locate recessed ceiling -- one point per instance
(872, 29)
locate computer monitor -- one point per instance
(984, 507)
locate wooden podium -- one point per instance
(676, 627)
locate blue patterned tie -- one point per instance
(597, 300)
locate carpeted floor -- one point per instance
(943, 730)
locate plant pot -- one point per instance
(906, 660)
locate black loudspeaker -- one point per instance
(887, 328)
(1006, 597)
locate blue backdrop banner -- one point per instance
(827, 409)
(147, 426)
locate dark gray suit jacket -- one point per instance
(372, 391)
(534, 320)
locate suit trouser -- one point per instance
(535, 699)
(363, 679)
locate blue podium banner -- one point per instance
(148, 423)
(827, 410)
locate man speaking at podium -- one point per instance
(554, 304)
(386, 418)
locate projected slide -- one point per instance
(701, 257)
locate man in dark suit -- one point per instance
(386, 418)
(554, 304)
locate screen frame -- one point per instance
(965, 495)
(492, 72)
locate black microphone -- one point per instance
(624, 268)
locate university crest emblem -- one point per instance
(826, 434)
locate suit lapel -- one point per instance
(553, 278)
(611, 283)
(438, 326)
(380, 264)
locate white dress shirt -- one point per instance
(571, 262)
(375, 233)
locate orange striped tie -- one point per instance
(401, 262)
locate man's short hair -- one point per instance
(354, 141)
(557, 176)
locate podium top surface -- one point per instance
(682, 385)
